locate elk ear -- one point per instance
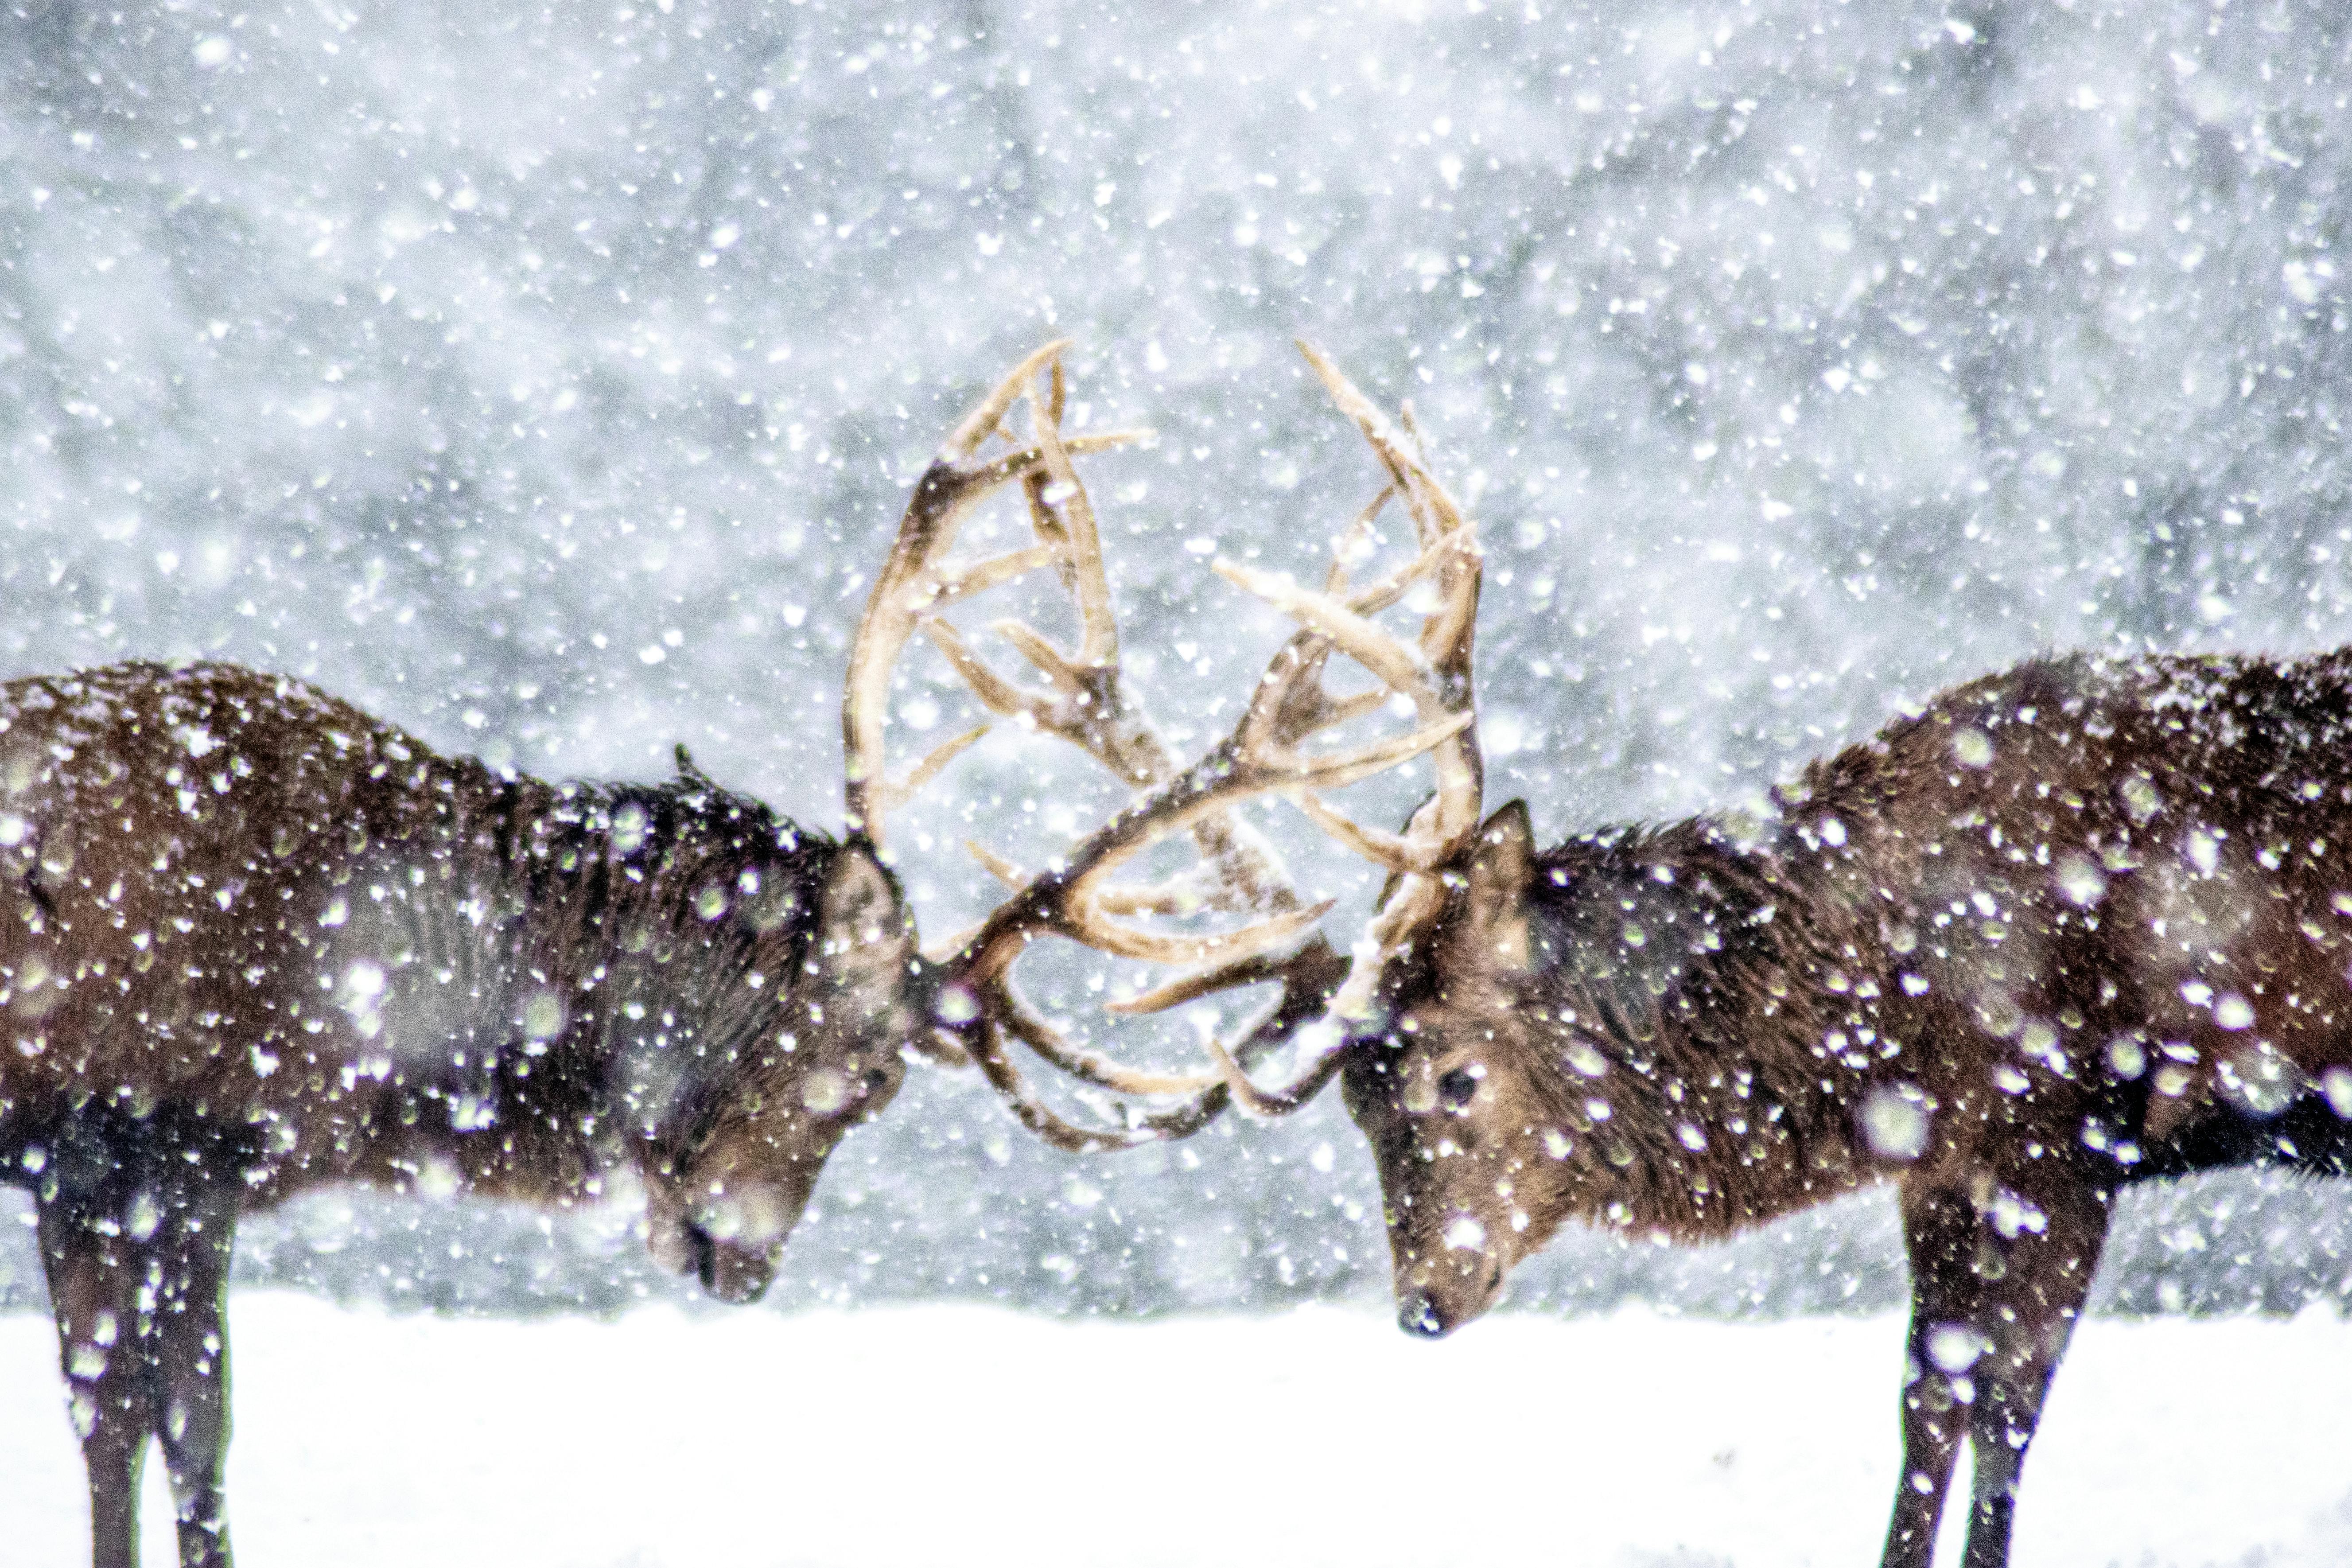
(864, 931)
(1502, 868)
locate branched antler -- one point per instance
(1264, 753)
(916, 583)
(1084, 702)
(1088, 702)
(1435, 675)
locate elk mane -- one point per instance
(695, 836)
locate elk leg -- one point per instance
(94, 1280)
(1939, 1230)
(2040, 1278)
(187, 1338)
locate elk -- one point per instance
(2060, 929)
(255, 941)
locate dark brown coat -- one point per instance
(2070, 926)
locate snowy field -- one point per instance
(927, 1435)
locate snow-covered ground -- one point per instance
(928, 1436)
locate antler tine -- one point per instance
(1300, 707)
(987, 1052)
(1087, 920)
(1458, 548)
(1180, 895)
(1310, 977)
(1446, 635)
(1290, 704)
(1314, 955)
(1091, 927)
(894, 794)
(1446, 638)
(1417, 899)
(995, 693)
(1357, 536)
(1087, 705)
(1434, 509)
(1178, 1120)
(1402, 666)
(1080, 537)
(1321, 1068)
(988, 413)
(996, 865)
(1393, 851)
(964, 582)
(1086, 1065)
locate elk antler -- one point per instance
(1088, 704)
(1261, 755)
(915, 584)
(1435, 675)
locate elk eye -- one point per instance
(874, 1078)
(1458, 1086)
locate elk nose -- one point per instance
(1417, 1314)
(705, 1254)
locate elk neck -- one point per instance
(623, 925)
(1686, 993)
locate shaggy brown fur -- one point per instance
(252, 940)
(2070, 926)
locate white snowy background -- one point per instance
(547, 377)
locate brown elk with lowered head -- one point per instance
(254, 940)
(2063, 929)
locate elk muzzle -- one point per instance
(730, 1238)
(1443, 1284)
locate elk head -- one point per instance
(1436, 1026)
(1501, 998)
(1570, 1042)
(827, 1002)
(741, 1152)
